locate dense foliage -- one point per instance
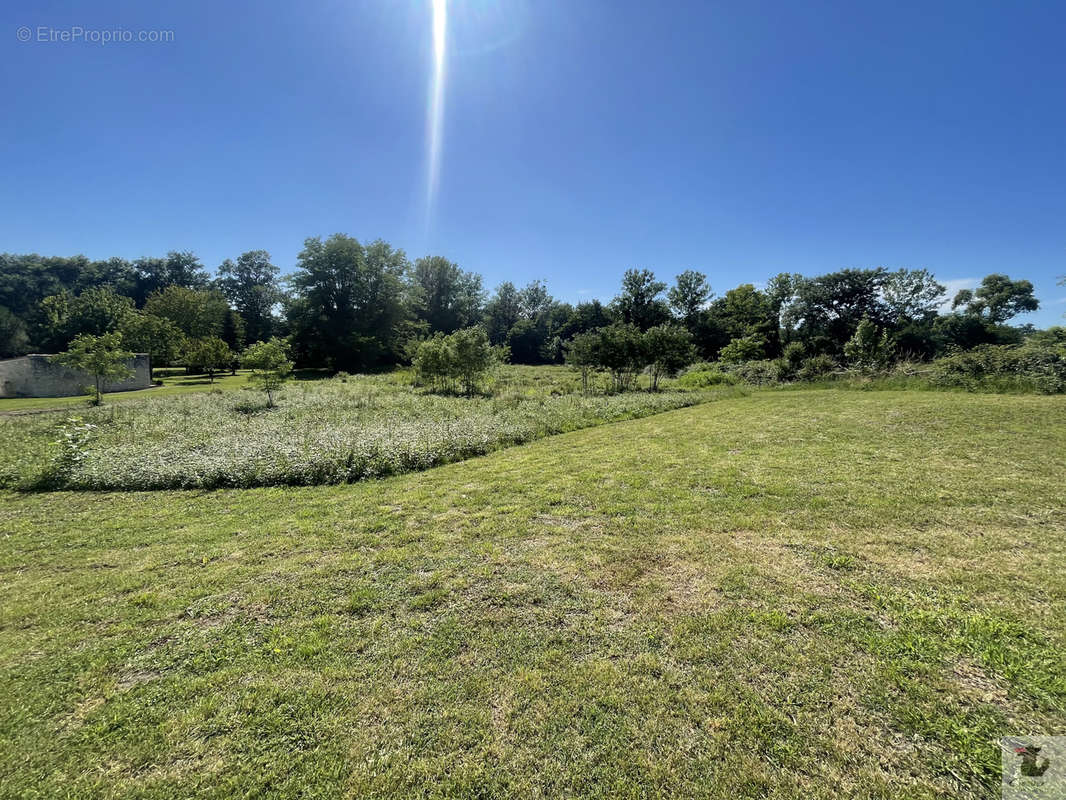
(355, 306)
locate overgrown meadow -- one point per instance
(331, 431)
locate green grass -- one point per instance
(172, 385)
(329, 431)
(793, 595)
(179, 384)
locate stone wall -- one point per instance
(37, 376)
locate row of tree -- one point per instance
(353, 306)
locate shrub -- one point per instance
(868, 349)
(621, 353)
(744, 348)
(210, 354)
(815, 367)
(705, 378)
(1031, 367)
(666, 349)
(583, 353)
(764, 372)
(465, 356)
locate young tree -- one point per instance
(868, 348)
(474, 356)
(465, 356)
(667, 349)
(210, 354)
(433, 361)
(102, 356)
(583, 353)
(621, 353)
(270, 366)
(251, 286)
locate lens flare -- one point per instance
(436, 102)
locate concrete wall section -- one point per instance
(37, 376)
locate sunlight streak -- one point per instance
(436, 103)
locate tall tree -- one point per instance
(179, 268)
(534, 300)
(14, 340)
(826, 310)
(586, 317)
(502, 312)
(744, 311)
(911, 295)
(94, 312)
(445, 297)
(640, 303)
(160, 338)
(198, 313)
(349, 302)
(688, 296)
(997, 299)
(251, 286)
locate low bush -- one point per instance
(815, 368)
(1028, 368)
(764, 372)
(706, 378)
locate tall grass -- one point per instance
(326, 432)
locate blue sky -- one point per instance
(579, 137)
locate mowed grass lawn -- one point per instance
(791, 594)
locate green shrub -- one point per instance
(1028, 368)
(463, 358)
(764, 372)
(815, 367)
(705, 378)
(744, 348)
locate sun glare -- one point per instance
(436, 102)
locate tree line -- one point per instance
(353, 306)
